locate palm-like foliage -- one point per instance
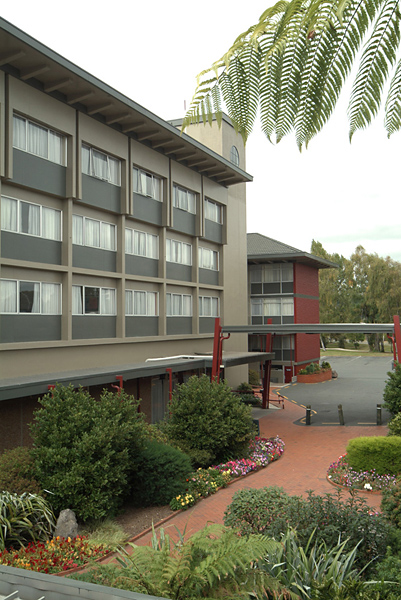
(293, 63)
(24, 518)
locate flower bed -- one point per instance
(205, 482)
(340, 473)
(53, 556)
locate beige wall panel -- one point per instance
(214, 191)
(149, 160)
(186, 177)
(140, 226)
(2, 124)
(143, 286)
(88, 279)
(32, 196)
(103, 137)
(41, 107)
(99, 215)
(209, 136)
(27, 274)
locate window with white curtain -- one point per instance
(93, 233)
(208, 259)
(33, 297)
(272, 307)
(36, 139)
(90, 300)
(19, 216)
(100, 165)
(141, 303)
(178, 305)
(141, 243)
(147, 184)
(209, 306)
(184, 199)
(178, 252)
(274, 273)
(213, 211)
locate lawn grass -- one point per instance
(332, 349)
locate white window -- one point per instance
(31, 219)
(36, 139)
(32, 297)
(141, 303)
(100, 165)
(178, 305)
(178, 252)
(147, 184)
(184, 199)
(209, 306)
(89, 300)
(141, 243)
(275, 273)
(208, 259)
(272, 307)
(213, 211)
(93, 233)
(234, 156)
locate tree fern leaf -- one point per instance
(393, 103)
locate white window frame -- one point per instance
(155, 184)
(259, 306)
(206, 252)
(149, 241)
(102, 291)
(273, 273)
(150, 297)
(40, 300)
(177, 249)
(109, 160)
(102, 245)
(50, 132)
(42, 209)
(213, 211)
(184, 199)
(213, 301)
(170, 305)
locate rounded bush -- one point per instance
(208, 422)
(392, 391)
(394, 426)
(379, 453)
(162, 473)
(391, 503)
(17, 472)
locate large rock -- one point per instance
(67, 525)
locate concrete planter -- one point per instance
(315, 377)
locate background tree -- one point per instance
(291, 67)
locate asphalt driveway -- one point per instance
(358, 388)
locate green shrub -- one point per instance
(325, 365)
(155, 433)
(391, 503)
(271, 511)
(394, 426)
(162, 473)
(254, 377)
(208, 422)
(244, 388)
(379, 453)
(24, 518)
(250, 399)
(85, 450)
(392, 391)
(17, 472)
(389, 570)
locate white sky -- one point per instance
(339, 194)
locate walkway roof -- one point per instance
(289, 329)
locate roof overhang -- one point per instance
(27, 59)
(292, 257)
(312, 328)
(35, 385)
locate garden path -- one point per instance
(308, 453)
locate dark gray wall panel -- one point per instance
(93, 258)
(101, 194)
(289, 320)
(184, 221)
(180, 272)
(288, 287)
(37, 173)
(179, 325)
(27, 247)
(147, 209)
(139, 265)
(87, 327)
(141, 326)
(208, 276)
(206, 324)
(275, 320)
(257, 320)
(271, 288)
(288, 355)
(213, 231)
(29, 328)
(256, 288)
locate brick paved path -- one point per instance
(308, 453)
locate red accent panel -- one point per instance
(306, 280)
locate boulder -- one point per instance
(66, 525)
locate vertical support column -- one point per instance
(216, 348)
(267, 369)
(397, 335)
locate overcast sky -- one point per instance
(338, 193)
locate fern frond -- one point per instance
(393, 103)
(379, 54)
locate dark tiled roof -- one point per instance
(260, 244)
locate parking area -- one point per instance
(358, 388)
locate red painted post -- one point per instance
(51, 387)
(397, 335)
(267, 369)
(216, 348)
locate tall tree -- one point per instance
(293, 63)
